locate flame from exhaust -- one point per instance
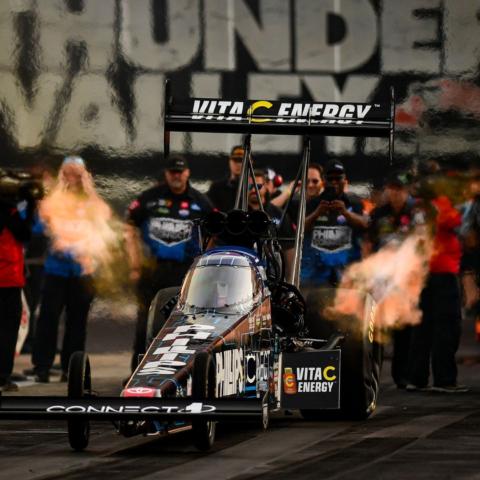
(394, 276)
(83, 225)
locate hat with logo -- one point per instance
(177, 163)
(334, 167)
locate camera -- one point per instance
(330, 193)
(19, 185)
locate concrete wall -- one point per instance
(88, 75)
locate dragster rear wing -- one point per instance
(118, 408)
(277, 117)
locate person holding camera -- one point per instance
(333, 225)
(15, 227)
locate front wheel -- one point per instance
(203, 388)
(79, 385)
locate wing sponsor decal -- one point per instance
(264, 111)
(193, 408)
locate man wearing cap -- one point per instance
(333, 225)
(392, 222)
(222, 193)
(162, 217)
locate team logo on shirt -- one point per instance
(332, 239)
(170, 231)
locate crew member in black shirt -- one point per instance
(391, 223)
(285, 230)
(222, 193)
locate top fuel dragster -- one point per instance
(235, 341)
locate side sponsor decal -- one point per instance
(311, 380)
(259, 319)
(139, 392)
(257, 367)
(230, 377)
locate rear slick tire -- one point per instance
(203, 388)
(79, 385)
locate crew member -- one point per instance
(14, 230)
(435, 341)
(223, 193)
(470, 264)
(285, 230)
(333, 225)
(315, 183)
(162, 217)
(73, 216)
(392, 222)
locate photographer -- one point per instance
(333, 226)
(14, 230)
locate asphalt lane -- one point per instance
(412, 435)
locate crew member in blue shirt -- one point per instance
(161, 221)
(333, 226)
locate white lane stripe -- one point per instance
(419, 427)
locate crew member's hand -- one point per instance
(338, 206)
(470, 289)
(323, 208)
(135, 275)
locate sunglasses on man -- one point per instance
(251, 186)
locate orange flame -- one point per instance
(394, 276)
(78, 221)
(79, 225)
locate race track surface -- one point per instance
(412, 435)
